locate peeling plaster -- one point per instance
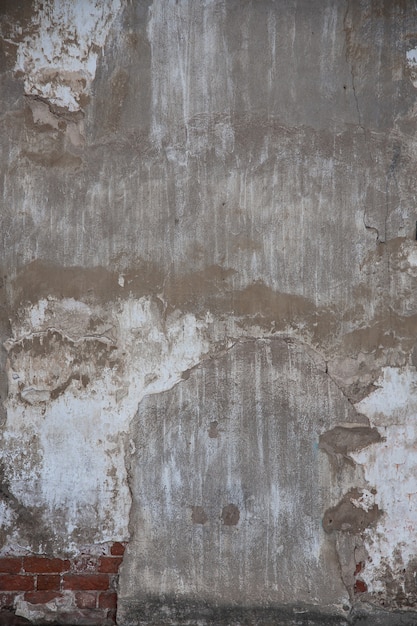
(58, 55)
(80, 471)
(390, 467)
(181, 201)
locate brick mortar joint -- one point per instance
(91, 579)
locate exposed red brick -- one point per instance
(107, 600)
(359, 567)
(109, 564)
(41, 597)
(46, 582)
(86, 599)
(44, 565)
(10, 565)
(360, 586)
(86, 582)
(7, 600)
(16, 582)
(117, 549)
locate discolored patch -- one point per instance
(230, 515)
(342, 440)
(199, 516)
(350, 515)
(213, 431)
(51, 361)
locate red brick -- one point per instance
(10, 565)
(44, 565)
(86, 599)
(46, 582)
(109, 564)
(117, 549)
(360, 586)
(86, 582)
(107, 600)
(41, 597)
(10, 582)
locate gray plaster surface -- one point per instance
(208, 315)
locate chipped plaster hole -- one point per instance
(230, 515)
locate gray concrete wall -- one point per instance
(208, 312)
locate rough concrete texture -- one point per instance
(208, 310)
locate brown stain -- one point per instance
(262, 303)
(382, 333)
(213, 432)
(41, 279)
(83, 378)
(206, 286)
(346, 517)
(230, 515)
(198, 515)
(208, 289)
(343, 440)
(212, 290)
(53, 158)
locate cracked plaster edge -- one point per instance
(216, 350)
(382, 546)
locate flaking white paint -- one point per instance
(411, 58)
(390, 468)
(79, 473)
(58, 56)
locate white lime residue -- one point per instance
(58, 56)
(390, 467)
(75, 464)
(411, 57)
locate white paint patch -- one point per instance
(365, 502)
(391, 467)
(58, 56)
(75, 466)
(411, 58)
(412, 261)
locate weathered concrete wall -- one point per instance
(208, 311)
